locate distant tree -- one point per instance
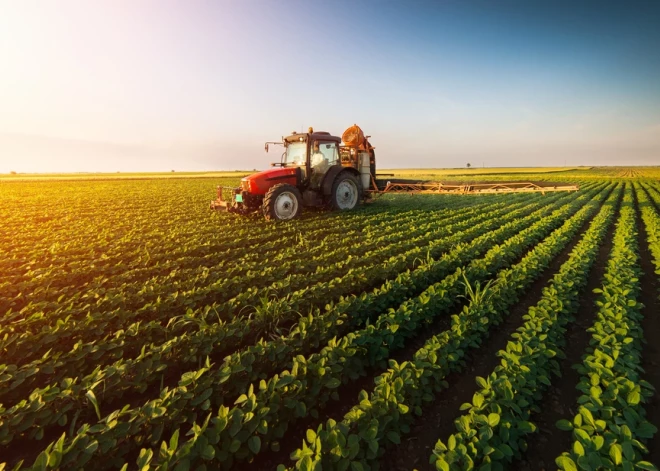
(173, 171)
(469, 165)
(13, 172)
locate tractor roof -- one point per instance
(313, 136)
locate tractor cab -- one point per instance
(314, 153)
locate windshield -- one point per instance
(296, 153)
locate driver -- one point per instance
(318, 159)
(319, 164)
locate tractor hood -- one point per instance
(259, 183)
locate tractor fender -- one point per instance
(331, 174)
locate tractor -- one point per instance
(317, 170)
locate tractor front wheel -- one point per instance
(282, 203)
(346, 192)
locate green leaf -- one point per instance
(615, 453)
(505, 450)
(394, 437)
(254, 443)
(41, 463)
(442, 465)
(93, 446)
(145, 458)
(373, 446)
(565, 463)
(598, 442)
(578, 449)
(357, 466)
(174, 440)
(451, 442)
(646, 430)
(241, 399)
(333, 383)
(463, 424)
(208, 453)
(493, 419)
(284, 381)
(183, 465)
(477, 399)
(306, 464)
(235, 446)
(646, 465)
(564, 424)
(92, 399)
(633, 398)
(586, 413)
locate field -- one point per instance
(140, 330)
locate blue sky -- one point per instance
(200, 85)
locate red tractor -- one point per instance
(316, 170)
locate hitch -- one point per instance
(220, 204)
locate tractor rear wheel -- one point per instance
(346, 192)
(282, 203)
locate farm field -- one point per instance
(140, 330)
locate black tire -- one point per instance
(340, 199)
(282, 202)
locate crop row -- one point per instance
(190, 256)
(610, 427)
(18, 380)
(186, 260)
(55, 367)
(312, 381)
(195, 390)
(150, 300)
(135, 243)
(61, 399)
(492, 431)
(198, 246)
(402, 391)
(162, 299)
(651, 219)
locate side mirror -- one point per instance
(266, 147)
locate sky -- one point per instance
(147, 85)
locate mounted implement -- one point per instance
(318, 169)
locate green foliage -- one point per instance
(405, 388)
(513, 389)
(261, 325)
(610, 429)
